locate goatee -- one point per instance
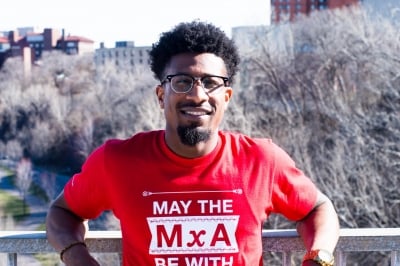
(192, 135)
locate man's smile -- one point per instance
(193, 111)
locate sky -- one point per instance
(142, 21)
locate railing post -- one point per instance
(286, 258)
(340, 258)
(395, 258)
(12, 259)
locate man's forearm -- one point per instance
(63, 227)
(66, 233)
(320, 229)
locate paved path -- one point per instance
(37, 205)
(37, 216)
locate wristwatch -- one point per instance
(320, 256)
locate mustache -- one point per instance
(195, 105)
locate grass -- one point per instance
(6, 171)
(48, 259)
(13, 205)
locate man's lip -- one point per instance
(196, 111)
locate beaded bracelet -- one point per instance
(70, 246)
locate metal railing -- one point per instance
(285, 242)
(288, 242)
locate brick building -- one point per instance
(289, 9)
(4, 49)
(17, 42)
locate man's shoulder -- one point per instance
(243, 139)
(137, 137)
(135, 142)
(244, 147)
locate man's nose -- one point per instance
(197, 90)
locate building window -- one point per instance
(322, 4)
(71, 44)
(285, 8)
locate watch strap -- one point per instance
(314, 255)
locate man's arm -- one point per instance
(64, 229)
(320, 228)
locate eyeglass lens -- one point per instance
(184, 83)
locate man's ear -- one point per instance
(160, 95)
(228, 96)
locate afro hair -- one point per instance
(193, 37)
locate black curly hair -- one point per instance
(196, 37)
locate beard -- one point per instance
(192, 135)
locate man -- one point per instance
(191, 194)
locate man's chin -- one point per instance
(193, 134)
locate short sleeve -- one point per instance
(293, 194)
(85, 192)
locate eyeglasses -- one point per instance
(183, 83)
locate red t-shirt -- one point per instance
(179, 211)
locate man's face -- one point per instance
(194, 116)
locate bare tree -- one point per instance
(326, 88)
(24, 178)
(48, 183)
(332, 101)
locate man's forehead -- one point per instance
(206, 62)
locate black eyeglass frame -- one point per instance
(169, 78)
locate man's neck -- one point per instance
(200, 149)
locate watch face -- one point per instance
(324, 255)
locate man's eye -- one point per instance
(211, 82)
(183, 81)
